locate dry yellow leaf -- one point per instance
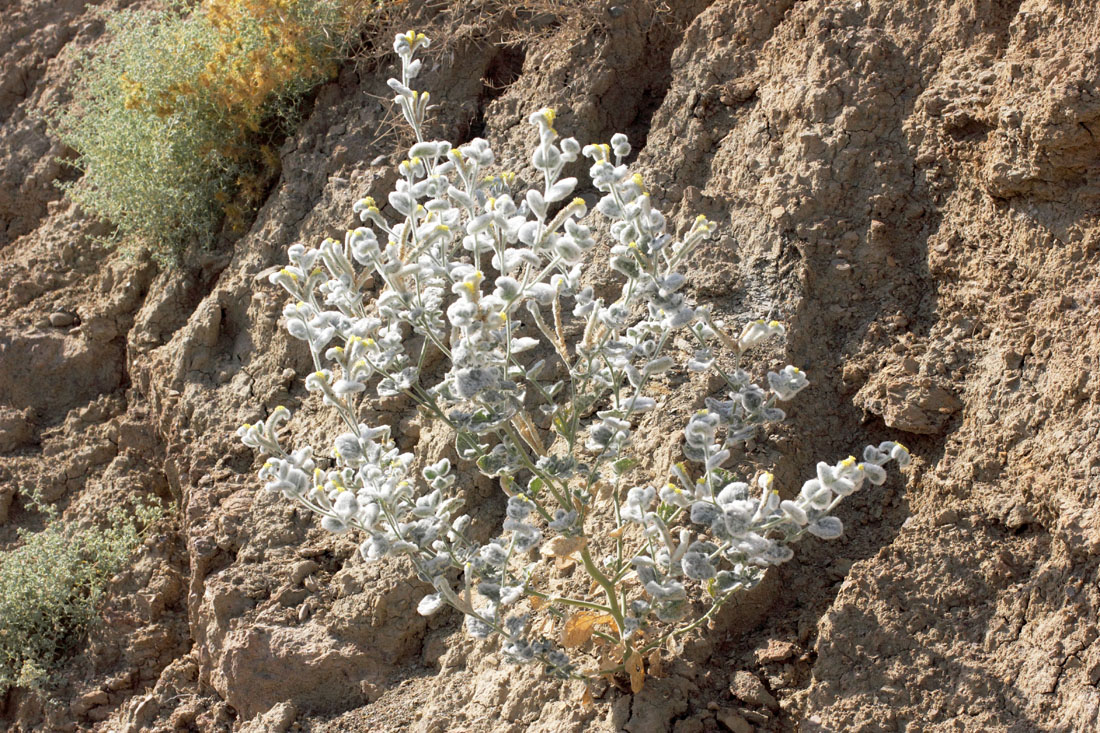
(635, 667)
(527, 430)
(654, 661)
(578, 627)
(609, 659)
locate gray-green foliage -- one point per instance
(171, 116)
(155, 177)
(51, 586)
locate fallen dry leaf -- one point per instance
(654, 660)
(578, 627)
(635, 667)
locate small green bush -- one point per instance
(172, 117)
(51, 586)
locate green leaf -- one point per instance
(467, 447)
(535, 486)
(623, 465)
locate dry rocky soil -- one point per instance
(912, 186)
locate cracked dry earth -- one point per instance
(913, 186)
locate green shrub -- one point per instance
(51, 586)
(172, 117)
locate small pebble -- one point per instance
(947, 516)
(302, 570)
(747, 687)
(733, 722)
(61, 319)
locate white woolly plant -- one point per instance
(493, 281)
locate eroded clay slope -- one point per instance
(912, 186)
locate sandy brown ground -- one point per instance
(913, 186)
